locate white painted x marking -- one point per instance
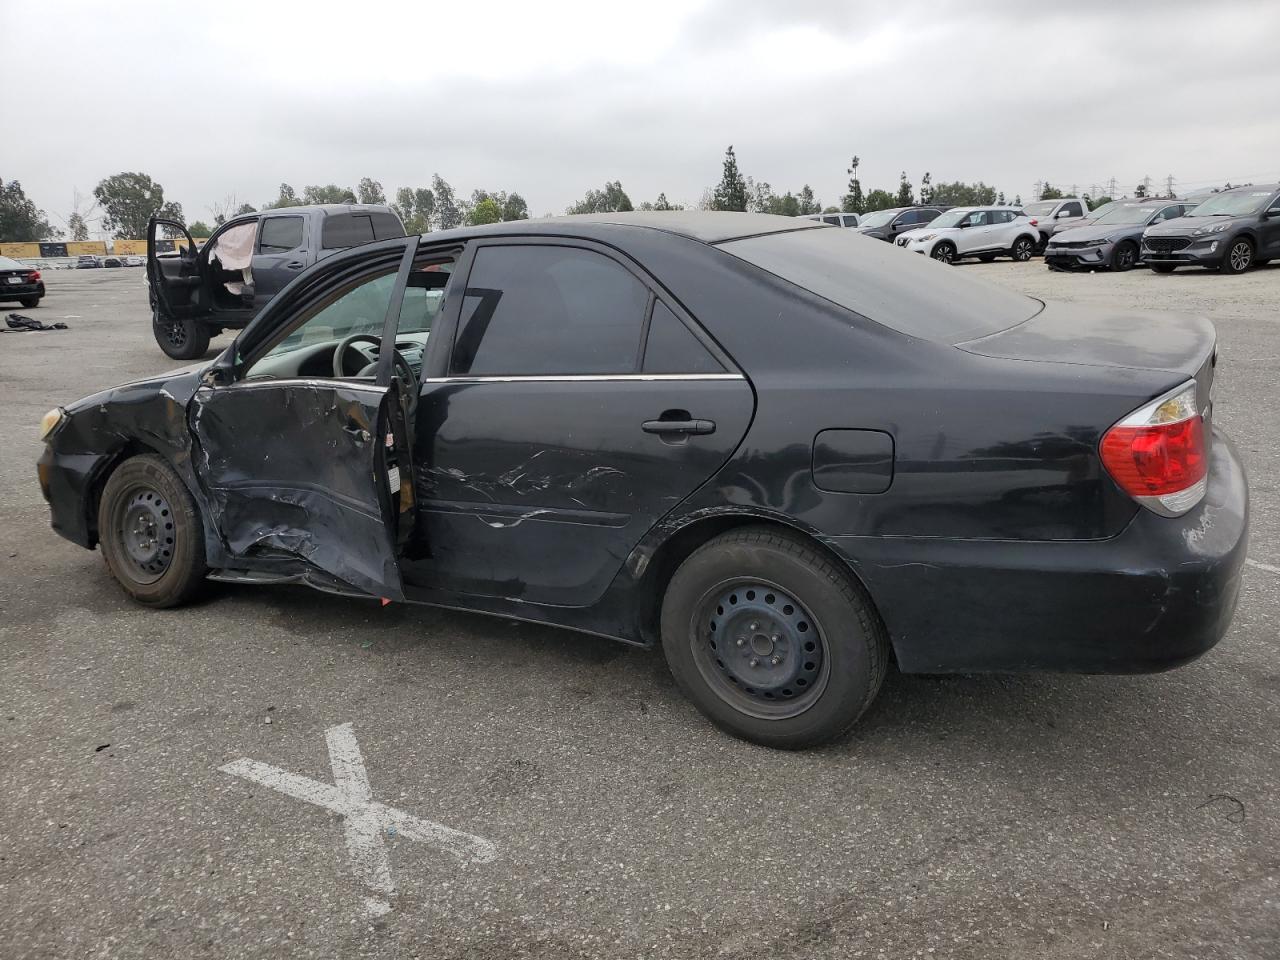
(366, 821)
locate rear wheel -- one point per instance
(1162, 267)
(1239, 256)
(1022, 250)
(1124, 256)
(30, 302)
(150, 531)
(771, 640)
(944, 251)
(183, 339)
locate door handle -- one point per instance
(679, 426)
(294, 265)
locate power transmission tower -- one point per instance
(1111, 188)
(1168, 185)
(1039, 191)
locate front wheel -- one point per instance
(1239, 256)
(772, 640)
(1023, 248)
(150, 531)
(944, 252)
(1124, 256)
(183, 339)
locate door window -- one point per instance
(672, 348)
(1072, 210)
(280, 234)
(536, 311)
(833, 220)
(978, 218)
(850, 220)
(1002, 216)
(907, 219)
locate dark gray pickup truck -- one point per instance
(198, 293)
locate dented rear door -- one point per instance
(297, 470)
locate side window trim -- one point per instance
(438, 362)
(263, 221)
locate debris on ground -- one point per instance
(20, 323)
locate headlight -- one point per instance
(51, 421)
(1216, 228)
(927, 236)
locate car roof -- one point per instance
(707, 226)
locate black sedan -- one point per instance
(20, 282)
(784, 451)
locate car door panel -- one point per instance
(289, 467)
(538, 489)
(273, 266)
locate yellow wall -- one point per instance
(122, 248)
(78, 248)
(25, 251)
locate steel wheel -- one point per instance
(145, 530)
(759, 649)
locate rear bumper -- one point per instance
(1154, 597)
(20, 291)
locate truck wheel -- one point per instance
(183, 339)
(1239, 257)
(1124, 256)
(771, 640)
(150, 531)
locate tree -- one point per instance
(199, 229)
(1000, 199)
(880, 200)
(20, 219)
(731, 193)
(330, 193)
(415, 208)
(447, 214)
(77, 227)
(926, 188)
(1017, 201)
(370, 191)
(906, 196)
(808, 203)
(854, 201)
(514, 207)
(486, 211)
(831, 210)
(1140, 191)
(1096, 203)
(245, 208)
(612, 199)
(1050, 192)
(287, 198)
(129, 200)
(960, 194)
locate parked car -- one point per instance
(87, 261)
(888, 224)
(982, 232)
(112, 262)
(834, 219)
(1230, 231)
(197, 294)
(134, 261)
(1112, 241)
(601, 422)
(1051, 215)
(1091, 215)
(20, 282)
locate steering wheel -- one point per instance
(404, 372)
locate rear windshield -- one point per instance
(894, 287)
(353, 229)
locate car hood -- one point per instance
(178, 384)
(1182, 226)
(917, 232)
(1095, 232)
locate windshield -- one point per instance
(1041, 209)
(1236, 203)
(875, 280)
(9, 264)
(879, 219)
(950, 218)
(1123, 213)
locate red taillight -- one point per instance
(33, 276)
(1158, 454)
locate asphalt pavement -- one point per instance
(183, 783)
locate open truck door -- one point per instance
(175, 281)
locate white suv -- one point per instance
(982, 232)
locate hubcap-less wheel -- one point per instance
(175, 332)
(1241, 256)
(759, 649)
(146, 533)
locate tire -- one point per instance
(1239, 256)
(30, 302)
(944, 252)
(1042, 242)
(811, 654)
(151, 535)
(1022, 250)
(1124, 256)
(1162, 267)
(180, 339)
(986, 257)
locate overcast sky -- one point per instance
(549, 99)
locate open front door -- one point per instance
(174, 279)
(298, 430)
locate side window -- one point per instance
(907, 219)
(280, 234)
(978, 218)
(850, 219)
(834, 221)
(1275, 204)
(671, 348)
(1168, 213)
(1072, 210)
(346, 230)
(536, 311)
(359, 308)
(927, 216)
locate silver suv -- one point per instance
(982, 232)
(1050, 216)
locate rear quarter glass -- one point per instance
(909, 294)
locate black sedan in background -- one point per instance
(1230, 232)
(20, 282)
(1112, 241)
(781, 450)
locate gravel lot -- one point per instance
(967, 817)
